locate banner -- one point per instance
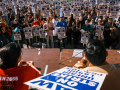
(84, 38)
(17, 35)
(39, 3)
(76, 12)
(69, 79)
(28, 32)
(99, 30)
(103, 9)
(57, 9)
(2, 6)
(67, 11)
(61, 33)
(114, 9)
(42, 33)
(46, 11)
(36, 31)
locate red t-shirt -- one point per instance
(35, 23)
(18, 75)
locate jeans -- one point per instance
(52, 43)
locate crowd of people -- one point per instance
(89, 18)
(95, 51)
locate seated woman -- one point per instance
(14, 72)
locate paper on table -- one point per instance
(118, 51)
(77, 53)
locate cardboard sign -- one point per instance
(2, 6)
(39, 3)
(61, 33)
(36, 31)
(57, 9)
(14, 2)
(67, 11)
(63, 2)
(99, 30)
(28, 33)
(46, 11)
(57, 3)
(33, 1)
(92, 2)
(78, 2)
(112, 2)
(20, 3)
(4, 1)
(69, 79)
(42, 33)
(86, 3)
(47, 2)
(114, 9)
(84, 38)
(103, 9)
(100, 2)
(17, 35)
(9, 2)
(76, 12)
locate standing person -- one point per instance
(41, 21)
(69, 30)
(49, 27)
(29, 41)
(55, 32)
(5, 29)
(62, 23)
(76, 28)
(88, 29)
(15, 25)
(109, 28)
(118, 36)
(34, 24)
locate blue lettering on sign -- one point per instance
(43, 83)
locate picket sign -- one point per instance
(69, 79)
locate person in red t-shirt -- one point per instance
(14, 72)
(35, 22)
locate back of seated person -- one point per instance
(95, 53)
(14, 72)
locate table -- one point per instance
(113, 57)
(48, 57)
